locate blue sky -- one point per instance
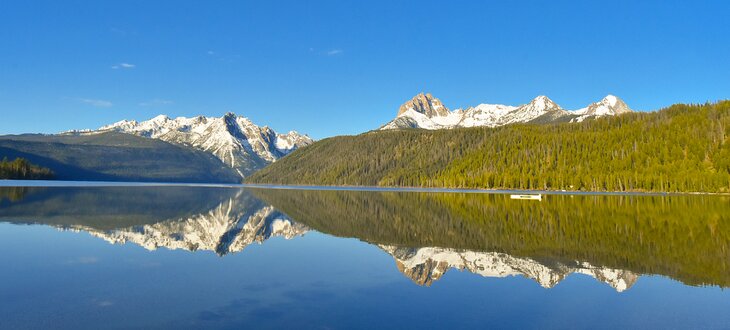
(343, 67)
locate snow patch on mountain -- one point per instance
(484, 115)
(608, 106)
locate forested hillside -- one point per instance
(680, 148)
(116, 157)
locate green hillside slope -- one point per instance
(681, 148)
(115, 157)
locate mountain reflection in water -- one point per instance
(613, 239)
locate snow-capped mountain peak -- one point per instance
(608, 106)
(425, 104)
(160, 119)
(539, 106)
(542, 103)
(424, 111)
(611, 100)
(233, 139)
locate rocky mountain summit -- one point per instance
(608, 106)
(425, 104)
(233, 139)
(427, 112)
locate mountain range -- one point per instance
(620, 150)
(235, 140)
(427, 112)
(199, 149)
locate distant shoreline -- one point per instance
(472, 190)
(64, 183)
(61, 183)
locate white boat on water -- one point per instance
(526, 196)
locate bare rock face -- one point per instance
(425, 104)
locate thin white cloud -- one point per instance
(123, 66)
(97, 103)
(222, 57)
(105, 303)
(102, 302)
(333, 52)
(155, 102)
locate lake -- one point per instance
(210, 257)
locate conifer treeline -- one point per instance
(681, 148)
(22, 169)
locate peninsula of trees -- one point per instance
(22, 169)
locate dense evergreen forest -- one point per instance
(22, 169)
(683, 148)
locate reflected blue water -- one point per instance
(182, 257)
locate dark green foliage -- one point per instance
(684, 237)
(116, 157)
(682, 148)
(22, 169)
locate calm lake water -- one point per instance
(230, 257)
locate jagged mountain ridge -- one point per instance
(427, 112)
(233, 139)
(428, 264)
